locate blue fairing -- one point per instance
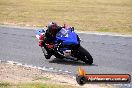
(67, 36)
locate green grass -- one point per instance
(4, 85)
(84, 15)
(33, 85)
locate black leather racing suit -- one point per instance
(49, 38)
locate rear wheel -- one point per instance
(85, 55)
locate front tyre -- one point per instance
(85, 55)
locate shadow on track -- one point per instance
(69, 62)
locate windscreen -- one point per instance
(62, 32)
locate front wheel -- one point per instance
(85, 55)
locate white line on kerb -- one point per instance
(104, 33)
(51, 68)
(31, 66)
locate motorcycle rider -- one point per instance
(49, 37)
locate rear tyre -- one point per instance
(85, 56)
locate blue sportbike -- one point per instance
(67, 45)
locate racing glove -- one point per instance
(49, 46)
(41, 39)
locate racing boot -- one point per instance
(48, 56)
(47, 53)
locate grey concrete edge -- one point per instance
(86, 32)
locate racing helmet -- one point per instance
(52, 27)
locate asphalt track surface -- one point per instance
(111, 54)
